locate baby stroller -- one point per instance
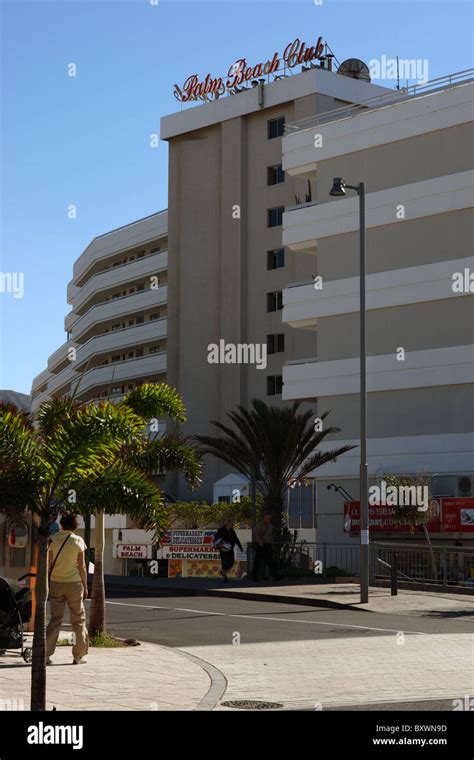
(15, 611)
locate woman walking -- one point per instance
(225, 540)
(68, 585)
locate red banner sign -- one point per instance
(296, 53)
(453, 515)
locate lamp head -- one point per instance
(338, 187)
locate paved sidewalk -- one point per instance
(309, 674)
(318, 674)
(145, 677)
(335, 595)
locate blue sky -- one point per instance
(85, 140)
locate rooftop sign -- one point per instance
(296, 53)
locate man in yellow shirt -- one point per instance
(68, 585)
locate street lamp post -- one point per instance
(338, 190)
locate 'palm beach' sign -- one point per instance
(296, 53)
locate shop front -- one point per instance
(191, 554)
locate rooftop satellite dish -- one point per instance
(355, 69)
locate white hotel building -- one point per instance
(117, 326)
(417, 160)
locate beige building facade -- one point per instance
(416, 158)
(227, 195)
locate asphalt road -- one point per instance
(185, 621)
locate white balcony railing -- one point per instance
(41, 379)
(115, 374)
(115, 277)
(303, 305)
(119, 340)
(387, 98)
(61, 354)
(450, 365)
(141, 233)
(116, 308)
(305, 225)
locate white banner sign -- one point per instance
(132, 551)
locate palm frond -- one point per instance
(120, 488)
(156, 400)
(168, 453)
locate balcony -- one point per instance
(443, 452)
(303, 305)
(120, 372)
(59, 385)
(40, 379)
(61, 355)
(391, 117)
(139, 233)
(118, 276)
(453, 365)
(116, 308)
(304, 225)
(36, 403)
(121, 340)
(118, 340)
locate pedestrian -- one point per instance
(225, 540)
(68, 585)
(263, 541)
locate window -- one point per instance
(155, 250)
(301, 506)
(154, 316)
(139, 353)
(141, 254)
(154, 349)
(117, 389)
(274, 385)
(224, 499)
(276, 343)
(275, 175)
(276, 127)
(275, 301)
(276, 258)
(140, 320)
(115, 358)
(118, 326)
(140, 288)
(275, 216)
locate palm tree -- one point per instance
(149, 454)
(71, 448)
(270, 446)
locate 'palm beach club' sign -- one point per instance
(296, 53)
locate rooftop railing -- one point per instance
(379, 101)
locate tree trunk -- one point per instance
(97, 614)
(87, 538)
(274, 504)
(38, 669)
